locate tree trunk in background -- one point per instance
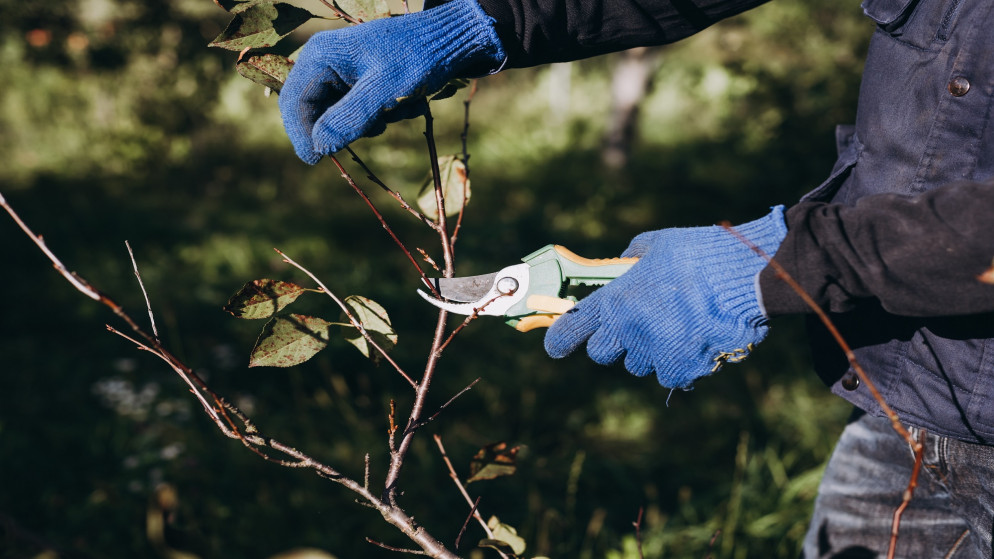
(630, 84)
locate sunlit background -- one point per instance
(117, 122)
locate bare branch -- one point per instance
(462, 489)
(452, 399)
(470, 318)
(397, 549)
(465, 523)
(392, 431)
(79, 283)
(393, 193)
(209, 409)
(383, 222)
(443, 227)
(428, 259)
(397, 457)
(714, 538)
(638, 532)
(148, 304)
(464, 137)
(331, 6)
(919, 449)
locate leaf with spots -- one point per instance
(493, 460)
(263, 298)
(365, 10)
(265, 69)
(261, 25)
(289, 340)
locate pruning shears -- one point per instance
(528, 295)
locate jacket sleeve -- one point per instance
(540, 31)
(915, 255)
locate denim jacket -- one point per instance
(923, 120)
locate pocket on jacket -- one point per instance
(848, 147)
(922, 24)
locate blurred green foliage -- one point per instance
(117, 122)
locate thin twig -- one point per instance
(470, 318)
(383, 223)
(465, 523)
(194, 389)
(392, 431)
(348, 313)
(393, 193)
(919, 449)
(714, 538)
(428, 259)
(462, 489)
(464, 137)
(439, 195)
(79, 283)
(148, 304)
(638, 532)
(341, 13)
(397, 549)
(452, 399)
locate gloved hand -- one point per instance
(351, 82)
(684, 309)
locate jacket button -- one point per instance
(850, 381)
(958, 86)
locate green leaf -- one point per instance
(455, 188)
(263, 298)
(269, 70)
(505, 534)
(365, 10)
(289, 340)
(374, 319)
(492, 461)
(261, 25)
(237, 6)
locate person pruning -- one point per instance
(892, 241)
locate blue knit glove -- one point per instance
(351, 82)
(688, 306)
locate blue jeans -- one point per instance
(950, 516)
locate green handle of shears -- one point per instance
(553, 268)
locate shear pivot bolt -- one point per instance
(507, 286)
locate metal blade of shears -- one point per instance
(464, 290)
